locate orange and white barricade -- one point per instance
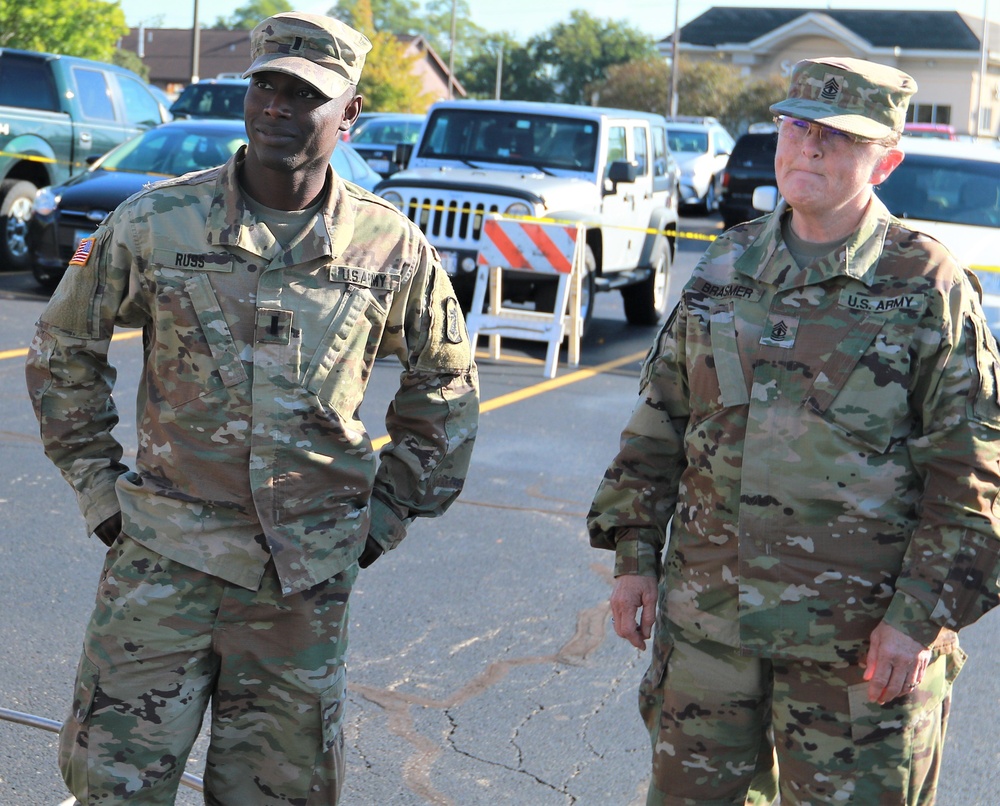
(555, 249)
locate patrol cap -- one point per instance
(852, 95)
(320, 50)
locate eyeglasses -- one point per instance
(796, 131)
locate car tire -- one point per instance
(545, 294)
(16, 198)
(711, 201)
(646, 302)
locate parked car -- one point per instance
(350, 165)
(701, 146)
(376, 138)
(608, 169)
(938, 131)
(65, 214)
(56, 114)
(212, 98)
(750, 165)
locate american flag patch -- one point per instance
(82, 253)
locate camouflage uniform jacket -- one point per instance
(256, 360)
(826, 441)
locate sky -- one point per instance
(525, 18)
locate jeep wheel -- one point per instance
(646, 302)
(16, 198)
(545, 295)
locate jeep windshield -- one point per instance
(538, 141)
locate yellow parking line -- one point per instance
(23, 351)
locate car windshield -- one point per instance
(173, 151)
(387, 132)
(681, 142)
(539, 141)
(935, 188)
(211, 101)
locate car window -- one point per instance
(27, 83)
(661, 158)
(141, 108)
(211, 100)
(682, 142)
(172, 152)
(517, 138)
(936, 188)
(94, 94)
(640, 145)
(386, 132)
(617, 149)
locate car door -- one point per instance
(625, 207)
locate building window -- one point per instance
(928, 113)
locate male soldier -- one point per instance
(266, 289)
(818, 422)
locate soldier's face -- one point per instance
(815, 176)
(291, 126)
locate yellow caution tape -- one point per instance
(33, 158)
(442, 208)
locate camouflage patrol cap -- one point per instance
(320, 50)
(852, 95)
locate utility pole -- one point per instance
(195, 44)
(499, 71)
(674, 57)
(451, 55)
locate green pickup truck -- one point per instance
(56, 114)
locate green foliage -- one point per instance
(130, 61)
(388, 82)
(579, 52)
(86, 28)
(703, 88)
(246, 17)
(643, 84)
(391, 16)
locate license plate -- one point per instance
(379, 166)
(449, 261)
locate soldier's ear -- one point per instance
(886, 165)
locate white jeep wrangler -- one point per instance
(607, 168)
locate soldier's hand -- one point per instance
(634, 592)
(109, 530)
(371, 553)
(895, 664)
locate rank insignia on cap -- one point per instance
(82, 253)
(831, 90)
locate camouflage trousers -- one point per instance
(734, 729)
(163, 642)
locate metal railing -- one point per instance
(50, 725)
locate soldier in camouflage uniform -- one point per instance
(818, 424)
(266, 289)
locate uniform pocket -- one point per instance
(195, 354)
(339, 371)
(73, 738)
(332, 712)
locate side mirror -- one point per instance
(620, 171)
(401, 154)
(765, 198)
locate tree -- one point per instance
(245, 18)
(520, 78)
(388, 83)
(86, 28)
(642, 84)
(391, 16)
(130, 61)
(578, 52)
(752, 104)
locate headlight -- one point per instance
(393, 197)
(46, 202)
(518, 208)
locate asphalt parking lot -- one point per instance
(482, 668)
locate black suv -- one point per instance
(750, 165)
